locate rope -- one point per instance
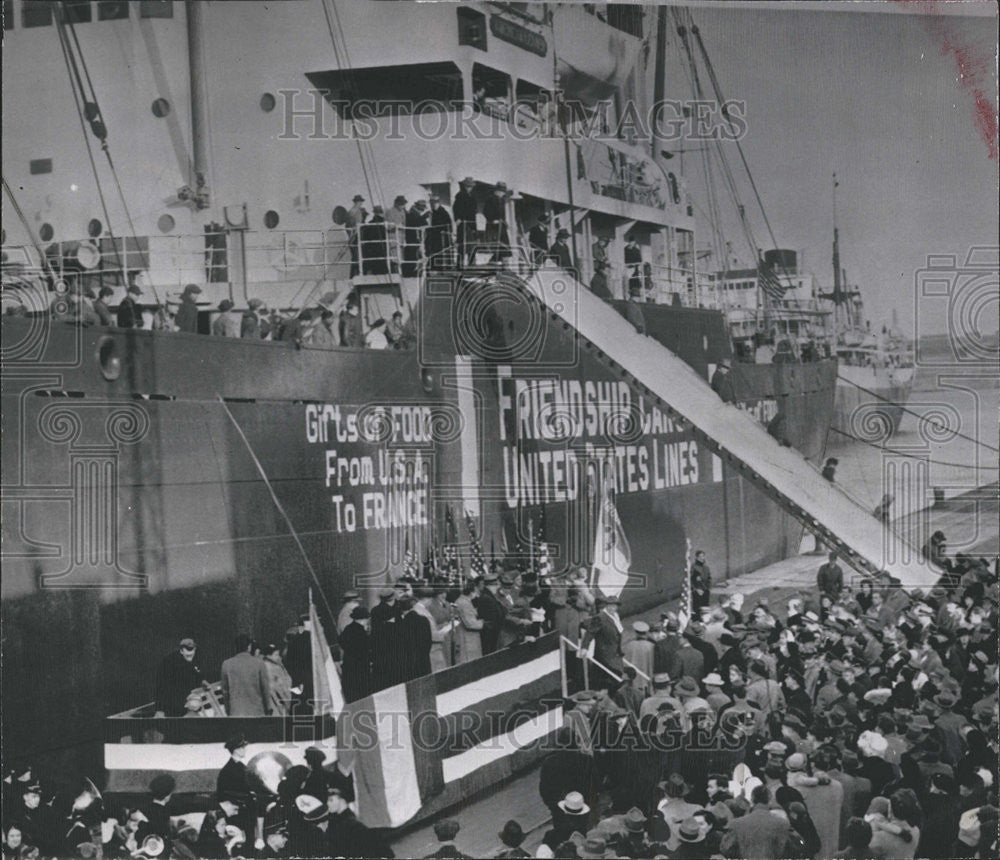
(43, 260)
(912, 456)
(278, 505)
(911, 412)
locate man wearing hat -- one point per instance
(396, 222)
(310, 838)
(416, 640)
(227, 323)
(639, 652)
(161, 789)
(599, 281)
(465, 210)
(691, 837)
(717, 700)
(659, 696)
(255, 324)
(275, 839)
(605, 631)
(492, 612)
(559, 252)
(351, 598)
(233, 783)
(538, 238)
(722, 383)
(187, 314)
(177, 675)
(672, 810)
(437, 243)
(386, 651)
(512, 836)
(417, 220)
(356, 669)
(129, 313)
(446, 831)
(495, 212)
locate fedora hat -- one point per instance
(690, 831)
(595, 846)
(675, 786)
(634, 820)
(468, 181)
(713, 679)
(686, 688)
(512, 835)
(574, 804)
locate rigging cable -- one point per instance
(897, 453)
(916, 414)
(80, 99)
(43, 260)
(93, 113)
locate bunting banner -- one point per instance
(420, 747)
(329, 695)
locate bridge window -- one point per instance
(8, 15)
(76, 11)
(39, 166)
(36, 14)
(156, 9)
(408, 86)
(491, 91)
(112, 10)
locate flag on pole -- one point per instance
(326, 679)
(612, 555)
(544, 562)
(768, 281)
(477, 561)
(684, 612)
(449, 552)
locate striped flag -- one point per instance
(544, 561)
(477, 562)
(419, 747)
(612, 555)
(326, 679)
(768, 281)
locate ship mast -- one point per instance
(837, 285)
(199, 104)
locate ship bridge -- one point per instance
(732, 434)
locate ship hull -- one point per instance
(136, 509)
(871, 402)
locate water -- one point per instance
(927, 452)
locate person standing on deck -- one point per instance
(355, 644)
(701, 582)
(830, 578)
(129, 313)
(177, 676)
(352, 599)
(187, 313)
(437, 243)
(722, 383)
(245, 684)
(495, 212)
(228, 323)
(538, 238)
(464, 209)
(386, 653)
(101, 306)
(559, 252)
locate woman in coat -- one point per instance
(468, 641)
(279, 681)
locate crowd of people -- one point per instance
(851, 722)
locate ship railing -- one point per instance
(660, 284)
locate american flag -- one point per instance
(543, 563)
(477, 562)
(452, 571)
(410, 567)
(768, 281)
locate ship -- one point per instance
(159, 483)
(876, 370)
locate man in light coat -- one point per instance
(468, 633)
(245, 683)
(759, 834)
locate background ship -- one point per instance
(151, 480)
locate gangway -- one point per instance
(781, 472)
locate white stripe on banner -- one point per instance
(399, 770)
(502, 746)
(469, 440)
(180, 757)
(493, 685)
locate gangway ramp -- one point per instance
(864, 543)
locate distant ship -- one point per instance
(148, 474)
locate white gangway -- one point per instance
(865, 543)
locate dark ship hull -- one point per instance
(135, 510)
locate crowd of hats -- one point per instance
(878, 686)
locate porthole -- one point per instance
(46, 232)
(267, 102)
(165, 223)
(271, 219)
(161, 108)
(109, 359)
(94, 228)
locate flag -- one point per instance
(449, 552)
(410, 567)
(612, 555)
(544, 561)
(491, 717)
(768, 281)
(326, 679)
(477, 562)
(684, 612)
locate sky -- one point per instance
(877, 98)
